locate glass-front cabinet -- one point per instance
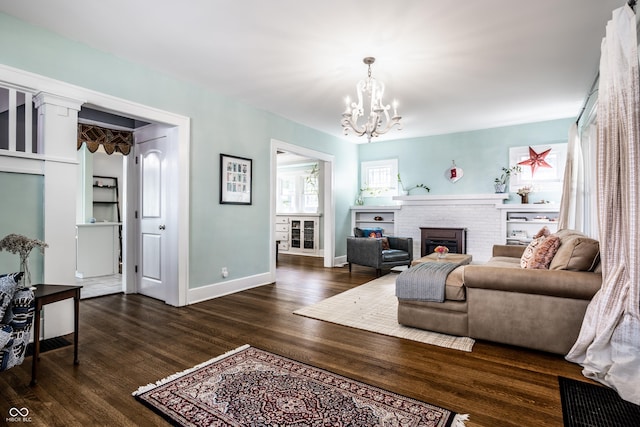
(302, 234)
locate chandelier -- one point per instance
(374, 125)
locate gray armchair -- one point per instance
(369, 252)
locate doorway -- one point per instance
(140, 271)
(326, 161)
(99, 243)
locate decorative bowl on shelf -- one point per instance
(378, 218)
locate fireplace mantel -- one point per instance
(479, 214)
(439, 199)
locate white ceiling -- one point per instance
(453, 66)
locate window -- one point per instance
(379, 178)
(297, 190)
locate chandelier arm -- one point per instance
(348, 124)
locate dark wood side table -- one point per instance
(46, 294)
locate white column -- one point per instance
(57, 135)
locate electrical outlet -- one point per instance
(225, 272)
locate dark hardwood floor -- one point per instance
(129, 340)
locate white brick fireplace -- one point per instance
(478, 213)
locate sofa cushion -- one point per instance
(544, 253)
(8, 286)
(504, 261)
(454, 285)
(391, 255)
(577, 252)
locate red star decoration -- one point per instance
(536, 160)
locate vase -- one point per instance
(359, 200)
(500, 188)
(25, 280)
(442, 255)
(524, 199)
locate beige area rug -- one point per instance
(374, 307)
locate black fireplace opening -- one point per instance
(455, 239)
(431, 245)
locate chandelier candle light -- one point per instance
(374, 126)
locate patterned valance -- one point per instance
(112, 140)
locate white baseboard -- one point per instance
(219, 289)
(340, 261)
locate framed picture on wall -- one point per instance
(235, 180)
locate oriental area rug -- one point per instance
(252, 387)
(374, 307)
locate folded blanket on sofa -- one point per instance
(425, 281)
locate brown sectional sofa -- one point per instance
(500, 301)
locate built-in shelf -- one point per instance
(522, 221)
(365, 217)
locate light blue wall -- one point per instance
(237, 236)
(221, 235)
(22, 202)
(481, 154)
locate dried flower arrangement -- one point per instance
(525, 190)
(22, 245)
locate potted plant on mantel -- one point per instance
(405, 191)
(502, 182)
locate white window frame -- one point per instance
(298, 204)
(387, 189)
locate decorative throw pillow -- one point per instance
(385, 244)
(530, 250)
(539, 237)
(372, 232)
(544, 232)
(544, 253)
(8, 286)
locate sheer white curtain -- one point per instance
(579, 198)
(572, 204)
(608, 346)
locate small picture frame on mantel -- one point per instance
(235, 180)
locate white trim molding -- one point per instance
(220, 289)
(468, 199)
(35, 83)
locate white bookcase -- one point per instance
(521, 222)
(375, 216)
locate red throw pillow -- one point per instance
(544, 232)
(544, 253)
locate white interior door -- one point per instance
(157, 236)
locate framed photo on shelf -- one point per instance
(235, 180)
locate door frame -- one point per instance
(328, 199)
(38, 83)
